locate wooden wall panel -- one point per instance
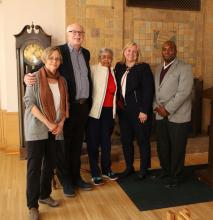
(9, 131)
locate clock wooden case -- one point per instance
(30, 43)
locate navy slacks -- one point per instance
(99, 136)
(131, 128)
(171, 146)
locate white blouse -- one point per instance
(56, 98)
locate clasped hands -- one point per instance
(142, 117)
(56, 129)
(161, 111)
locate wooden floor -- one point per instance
(107, 202)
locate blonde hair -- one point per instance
(130, 44)
(48, 52)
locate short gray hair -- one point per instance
(105, 50)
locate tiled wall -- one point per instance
(151, 27)
(110, 23)
(206, 57)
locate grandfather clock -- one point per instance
(30, 43)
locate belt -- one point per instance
(80, 101)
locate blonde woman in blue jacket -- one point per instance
(101, 117)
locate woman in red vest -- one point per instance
(101, 117)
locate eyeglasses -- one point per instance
(57, 59)
(108, 57)
(77, 32)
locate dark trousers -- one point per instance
(171, 146)
(40, 167)
(74, 128)
(61, 170)
(99, 135)
(131, 128)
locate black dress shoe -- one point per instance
(141, 176)
(171, 185)
(83, 185)
(68, 190)
(126, 173)
(163, 175)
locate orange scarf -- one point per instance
(46, 95)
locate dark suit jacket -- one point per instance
(66, 70)
(139, 87)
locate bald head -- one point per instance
(75, 35)
(169, 51)
(74, 26)
(170, 44)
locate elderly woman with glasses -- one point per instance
(101, 117)
(46, 104)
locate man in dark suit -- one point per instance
(173, 86)
(75, 68)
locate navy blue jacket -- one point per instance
(139, 87)
(66, 70)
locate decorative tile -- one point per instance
(95, 32)
(150, 36)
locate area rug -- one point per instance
(151, 193)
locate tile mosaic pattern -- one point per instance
(150, 35)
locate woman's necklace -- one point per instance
(129, 66)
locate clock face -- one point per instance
(32, 53)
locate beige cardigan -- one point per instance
(99, 76)
(34, 129)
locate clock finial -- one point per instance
(32, 25)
